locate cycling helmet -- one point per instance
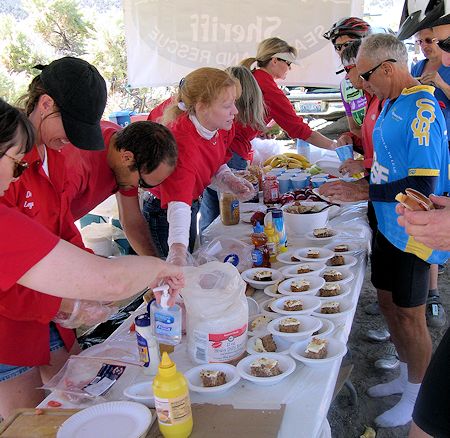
(422, 14)
(351, 26)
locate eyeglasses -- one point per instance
(142, 184)
(349, 67)
(19, 166)
(287, 62)
(444, 44)
(426, 41)
(366, 76)
(339, 47)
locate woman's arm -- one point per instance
(319, 140)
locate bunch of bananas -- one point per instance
(288, 160)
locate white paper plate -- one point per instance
(346, 307)
(117, 419)
(308, 325)
(345, 290)
(141, 393)
(249, 274)
(317, 240)
(327, 328)
(333, 200)
(272, 291)
(282, 344)
(330, 167)
(195, 382)
(349, 262)
(285, 257)
(310, 304)
(263, 328)
(266, 309)
(286, 365)
(347, 276)
(336, 350)
(291, 271)
(253, 307)
(324, 254)
(352, 247)
(316, 282)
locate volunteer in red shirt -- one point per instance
(37, 259)
(142, 154)
(201, 118)
(273, 59)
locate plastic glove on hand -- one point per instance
(179, 255)
(240, 187)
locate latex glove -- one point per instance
(76, 313)
(240, 187)
(179, 255)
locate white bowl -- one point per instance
(266, 309)
(324, 254)
(263, 327)
(286, 365)
(253, 307)
(141, 393)
(291, 271)
(316, 282)
(336, 350)
(285, 257)
(300, 224)
(272, 291)
(347, 276)
(310, 304)
(352, 247)
(348, 259)
(327, 328)
(345, 290)
(195, 382)
(249, 274)
(346, 306)
(282, 344)
(308, 325)
(328, 239)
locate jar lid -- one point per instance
(142, 320)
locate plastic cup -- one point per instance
(317, 182)
(299, 182)
(284, 182)
(345, 152)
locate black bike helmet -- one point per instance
(351, 26)
(422, 14)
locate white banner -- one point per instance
(166, 39)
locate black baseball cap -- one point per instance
(80, 93)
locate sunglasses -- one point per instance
(19, 166)
(444, 44)
(287, 62)
(366, 76)
(142, 184)
(339, 47)
(426, 41)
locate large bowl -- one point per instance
(301, 224)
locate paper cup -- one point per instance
(345, 152)
(284, 182)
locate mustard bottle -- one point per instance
(172, 403)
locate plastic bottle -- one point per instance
(166, 322)
(303, 148)
(172, 403)
(278, 223)
(147, 345)
(260, 255)
(272, 241)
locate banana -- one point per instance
(298, 157)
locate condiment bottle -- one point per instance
(278, 223)
(147, 345)
(166, 322)
(271, 189)
(272, 241)
(260, 255)
(229, 208)
(172, 403)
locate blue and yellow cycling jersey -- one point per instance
(409, 139)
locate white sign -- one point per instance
(166, 39)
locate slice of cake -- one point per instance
(289, 325)
(264, 367)
(320, 233)
(212, 378)
(337, 260)
(329, 290)
(293, 305)
(316, 349)
(265, 344)
(341, 248)
(263, 276)
(300, 286)
(313, 254)
(332, 275)
(294, 259)
(331, 307)
(259, 322)
(304, 269)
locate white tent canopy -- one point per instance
(166, 39)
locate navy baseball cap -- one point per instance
(80, 93)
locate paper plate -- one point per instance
(316, 240)
(285, 257)
(195, 382)
(346, 306)
(333, 200)
(267, 310)
(249, 274)
(310, 303)
(348, 259)
(272, 290)
(324, 254)
(347, 276)
(316, 282)
(308, 325)
(141, 393)
(352, 247)
(282, 344)
(327, 328)
(262, 327)
(117, 419)
(291, 270)
(335, 348)
(345, 290)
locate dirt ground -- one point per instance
(349, 421)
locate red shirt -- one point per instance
(24, 313)
(198, 160)
(279, 108)
(241, 141)
(373, 110)
(90, 179)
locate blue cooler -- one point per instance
(122, 118)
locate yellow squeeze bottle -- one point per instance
(272, 241)
(172, 403)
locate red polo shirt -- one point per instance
(24, 313)
(279, 108)
(198, 160)
(241, 141)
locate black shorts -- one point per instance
(432, 408)
(404, 274)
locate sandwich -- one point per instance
(414, 200)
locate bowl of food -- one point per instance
(212, 377)
(301, 217)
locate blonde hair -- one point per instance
(203, 85)
(250, 104)
(266, 49)
(30, 99)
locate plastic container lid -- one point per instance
(276, 213)
(142, 320)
